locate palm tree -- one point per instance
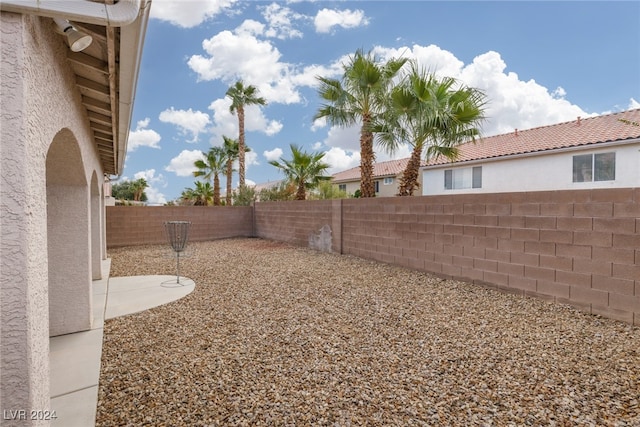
(211, 167)
(231, 151)
(305, 170)
(358, 98)
(202, 195)
(241, 96)
(424, 111)
(138, 186)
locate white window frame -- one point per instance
(388, 180)
(463, 178)
(585, 167)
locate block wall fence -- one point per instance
(144, 225)
(580, 247)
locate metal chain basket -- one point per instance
(177, 235)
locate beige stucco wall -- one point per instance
(40, 105)
(389, 190)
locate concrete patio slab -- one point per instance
(75, 358)
(129, 295)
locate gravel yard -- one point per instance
(279, 335)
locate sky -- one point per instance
(537, 62)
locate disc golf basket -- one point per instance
(177, 234)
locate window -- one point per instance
(377, 183)
(458, 179)
(342, 187)
(388, 180)
(594, 167)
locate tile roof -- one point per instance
(267, 185)
(579, 132)
(388, 168)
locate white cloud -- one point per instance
(326, 19)
(274, 154)
(143, 137)
(512, 103)
(319, 124)
(182, 165)
(188, 121)
(251, 158)
(240, 55)
(307, 76)
(515, 103)
(347, 138)
(633, 104)
(340, 159)
(280, 20)
(188, 14)
(154, 196)
(225, 123)
(233, 54)
(251, 28)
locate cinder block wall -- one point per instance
(292, 221)
(576, 247)
(144, 225)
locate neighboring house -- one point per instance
(386, 177)
(266, 185)
(64, 122)
(596, 152)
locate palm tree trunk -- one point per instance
(241, 146)
(301, 194)
(367, 158)
(216, 190)
(229, 179)
(409, 180)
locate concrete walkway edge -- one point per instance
(74, 359)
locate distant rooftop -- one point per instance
(381, 169)
(579, 132)
(590, 131)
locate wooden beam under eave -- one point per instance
(103, 145)
(99, 118)
(102, 128)
(102, 136)
(96, 104)
(92, 86)
(84, 60)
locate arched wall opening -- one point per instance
(96, 229)
(68, 237)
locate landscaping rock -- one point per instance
(280, 335)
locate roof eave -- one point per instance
(535, 153)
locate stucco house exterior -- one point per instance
(64, 122)
(386, 176)
(595, 152)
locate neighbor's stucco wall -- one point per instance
(39, 100)
(385, 190)
(540, 173)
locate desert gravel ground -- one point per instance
(283, 336)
